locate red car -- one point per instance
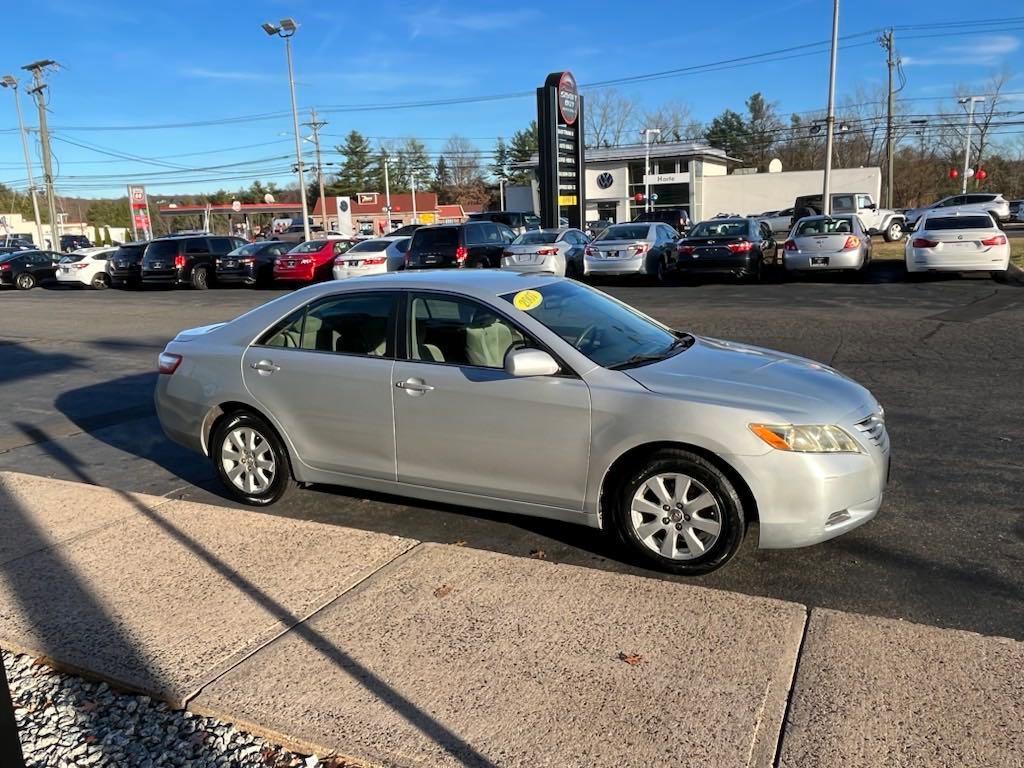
(310, 262)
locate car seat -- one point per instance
(425, 351)
(487, 341)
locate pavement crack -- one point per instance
(839, 346)
(792, 689)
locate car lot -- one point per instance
(943, 356)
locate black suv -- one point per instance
(69, 243)
(125, 265)
(187, 260)
(476, 244)
(514, 220)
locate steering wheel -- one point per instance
(588, 331)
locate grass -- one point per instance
(883, 251)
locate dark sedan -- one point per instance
(250, 264)
(738, 246)
(126, 265)
(27, 269)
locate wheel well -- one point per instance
(634, 457)
(220, 412)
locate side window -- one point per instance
(766, 231)
(287, 333)
(196, 246)
(354, 325)
(491, 234)
(474, 234)
(958, 200)
(506, 234)
(221, 245)
(340, 246)
(460, 331)
(863, 201)
(842, 202)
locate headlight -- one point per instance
(806, 438)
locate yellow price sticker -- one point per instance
(527, 300)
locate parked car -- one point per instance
(371, 257)
(824, 243)
(16, 242)
(1015, 210)
(86, 266)
(14, 248)
(876, 221)
(514, 220)
(249, 264)
(296, 234)
(71, 243)
(962, 242)
(779, 221)
(742, 247)
(188, 260)
(553, 399)
(594, 228)
(310, 262)
(633, 249)
(975, 202)
(405, 231)
(27, 269)
(557, 251)
(677, 218)
(125, 265)
(477, 244)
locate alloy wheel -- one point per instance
(676, 516)
(248, 460)
(25, 281)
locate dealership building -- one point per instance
(692, 175)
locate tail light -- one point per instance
(247, 261)
(995, 240)
(921, 242)
(340, 260)
(639, 248)
(851, 242)
(790, 245)
(179, 262)
(5, 267)
(588, 251)
(686, 250)
(374, 261)
(408, 259)
(546, 251)
(461, 254)
(168, 362)
(744, 247)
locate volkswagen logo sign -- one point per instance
(605, 180)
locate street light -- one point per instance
(647, 164)
(972, 100)
(830, 115)
(286, 28)
(9, 81)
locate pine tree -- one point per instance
(522, 148)
(499, 167)
(106, 236)
(417, 161)
(441, 184)
(354, 176)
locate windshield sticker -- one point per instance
(527, 300)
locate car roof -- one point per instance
(484, 283)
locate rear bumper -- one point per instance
(163, 277)
(295, 275)
(125, 275)
(246, 275)
(71, 277)
(924, 261)
(636, 265)
(343, 273)
(733, 264)
(800, 260)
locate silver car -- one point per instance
(823, 243)
(529, 394)
(972, 202)
(557, 251)
(639, 248)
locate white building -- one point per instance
(16, 224)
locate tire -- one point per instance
(253, 485)
(661, 272)
(100, 281)
(26, 281)
(200, 279)
(757, 275)
(893, 232)
(707, 484)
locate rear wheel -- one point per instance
(893, 232)
(100, 281)
(25, 281)
(250, 460)
(200, 279)
(661, 271)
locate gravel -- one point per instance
(67, 722)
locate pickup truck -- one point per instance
(876, 221)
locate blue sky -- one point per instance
(159, 63)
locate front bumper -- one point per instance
(635, 265)
(796, 261)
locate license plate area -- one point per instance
(355, 263)
(229, 264)
(819, 261)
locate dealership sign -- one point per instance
(560, 151)
(138, 202)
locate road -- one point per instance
(945, 357)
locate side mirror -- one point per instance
(872, 206)
(530, 362)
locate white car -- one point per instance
(974, 202)
(371, 257)
(88, 266)
(965, 242)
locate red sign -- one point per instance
(568, 98)
(142, 225)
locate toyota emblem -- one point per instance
(605, 180)
(959, 237)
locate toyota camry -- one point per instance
(529, 394)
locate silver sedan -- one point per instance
(529, 394)
(556, 251)
(827, 243)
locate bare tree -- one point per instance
(675, 121)
(953, 120)
(608, 117)
(463, 161)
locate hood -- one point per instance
(794, 389)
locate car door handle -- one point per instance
(265, 366)
(414, 386)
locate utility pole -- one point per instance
(412, 184)
(647, 164)
(316, 126)
(967, 144)
(37, 68)
(9, 81)
(830, 120)
(387, 188)
(888, 42)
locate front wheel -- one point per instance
(100, 281)
(200, 279)
(893, 232)
(25, 281)
(679, 513)
(250, 460)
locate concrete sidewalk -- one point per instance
(407, 654)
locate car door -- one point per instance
(324, 374)
(44, 266)
(769, 247)
(463, 424)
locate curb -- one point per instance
(1014, 275)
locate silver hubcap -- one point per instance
(248, 460)
(24, 281)
(675, 516)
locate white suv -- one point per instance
(973, 202)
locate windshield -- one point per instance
(534, 237)
(309, 247)
(958, 222)
(370, 245)
(436, 237)
(606, 331)
(625, 232)
(160, 249)
(722, 228)
(824, 227)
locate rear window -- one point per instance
(533, 237)
(824, 227)
(160, 249)
(312, 246)
(625, 232)
(127, 251)
(370, 245)
(980, 198)
(935, 223)
(726, 228)
(442, 237)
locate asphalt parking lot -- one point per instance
(944, 356)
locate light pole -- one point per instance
(501, 193)
(286, 28)
(37, 68)
(647, 164)
(387, 189)
(830, 119)
(412, 184)
(972, 100)
(9, 81)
